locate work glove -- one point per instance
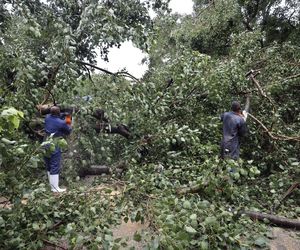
(68, 120)
(245, 115)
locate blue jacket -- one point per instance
(53, 124)
(234, 126)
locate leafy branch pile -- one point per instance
(171, 174)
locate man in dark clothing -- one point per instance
(56, 127)
(234, 127)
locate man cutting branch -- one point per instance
(234, 127)
(56, 127)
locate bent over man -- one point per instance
(234, 127)
(58, 128)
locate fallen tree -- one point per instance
(102, 123)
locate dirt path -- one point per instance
(124, 230)
(285, 239)
(128, 230)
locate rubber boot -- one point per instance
(54, 180)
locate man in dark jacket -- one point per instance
(234, 127)
(56, 127)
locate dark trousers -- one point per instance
(229, 150)
(53, 162)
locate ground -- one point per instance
(284, 239)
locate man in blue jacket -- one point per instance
(234, 127)
(56, 127)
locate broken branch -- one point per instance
(275, 136)
(187, 190)
(291, 77)
(54, 245)
(290, 190)
(279, 221)
(260, 90)
(120, 73)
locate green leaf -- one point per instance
(15, 121)
(62, 143)
(193, 216)
(10, 111)
(108, 237)
(6, 141)
(190, 229)
(35, 226)
(211, 220)
(137, 237)
(261, 242)
(203, 245)
(187, 205)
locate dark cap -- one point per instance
(235, 106)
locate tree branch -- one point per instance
(87, 69)
(54, 245)
(53, 98)
(170, 82)
(258, 86)
(291, 77)
(120, 73)
(290, 190)
(275, 136)
(280, 221)
(187, 190)
(252, 74)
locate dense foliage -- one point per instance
(197, 66)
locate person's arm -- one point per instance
(247, 108)
(222, 117)
(242, 128)
(66, 129)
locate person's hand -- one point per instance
(68, 120)
(245, 114)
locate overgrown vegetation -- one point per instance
(197, 66)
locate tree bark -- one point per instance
(279, 221)
(193, 189)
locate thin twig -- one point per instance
(89, 73)
(290, 190)
(291, 77)
(56, 225)
(53, 244)
(275, 136)
(256, 82)
(170, 83)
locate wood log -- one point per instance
(121, 130)
(276, 220)
(193, 189)
(94, 170)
